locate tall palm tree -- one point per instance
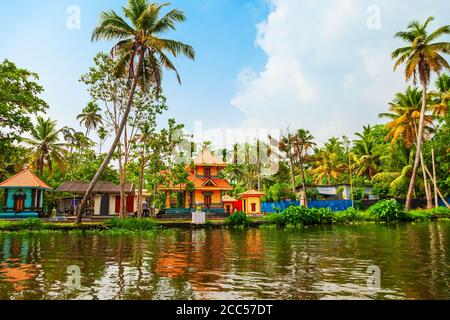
(366, 159)
(421, 57)
(141, 55)
(90, 118)
(327, 165)
(46, 149)
(405, 115)
(103, 134)
(441, 98)
(304, 142)
(287, 146)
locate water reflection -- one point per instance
(312, 263)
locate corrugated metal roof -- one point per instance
(79, 187)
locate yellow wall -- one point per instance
(216, 197)
(250, 201)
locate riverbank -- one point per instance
(294, 216)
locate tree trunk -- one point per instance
(140, 186)
(437, 189)
(436, 200)
(302, 169)
(418, 147)
(425, 183)
(292, 176)
(115, 142)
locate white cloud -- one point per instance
(326, 71)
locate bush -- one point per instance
(388, 210)
(274, 218)
(237, 219)
(31, 224)
(321, 216)
(295, 215)
(131, 224)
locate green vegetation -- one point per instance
(237, 219)
(384, 211)
(131, 224)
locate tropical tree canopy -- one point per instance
(141, 33)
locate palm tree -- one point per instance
(327, 165)
(90, 117)
(287, 146)
(421, 57)
(141, 55)
(405, 115)
(103, 134)
(441, 97)
(304, 142)
(46, 149)
(366, 159)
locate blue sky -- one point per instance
(264, 64)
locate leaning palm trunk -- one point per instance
(116, 140)
(418, 148)
(426, 184)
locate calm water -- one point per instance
(313, 263)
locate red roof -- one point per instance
(25, 179)
(199, 184)
(206, 158)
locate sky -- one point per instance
(261, 66)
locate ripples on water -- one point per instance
(311, 263)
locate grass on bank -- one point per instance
(385, 211)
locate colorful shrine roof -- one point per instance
(25, 179)
(202, 184)
(228, 198)
(252, 193)
(206, 158)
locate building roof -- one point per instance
(228, 198)
(25, 179)
(251, 193)
(201, 184)
(206, 158)
(105, 187)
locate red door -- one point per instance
(130, 204)
(117, 204)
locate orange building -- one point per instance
(208, 188)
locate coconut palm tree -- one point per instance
(441, 98)
(287, 146)
(46, 149)
(367, 160)
(304, 142)
(405, 114)
(421, 57)
(103, 134)
(90, 118)
(141, 55)
(327, 165)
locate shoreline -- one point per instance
(101, 227)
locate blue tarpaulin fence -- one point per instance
(334, 205)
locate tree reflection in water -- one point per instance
(266, 263)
